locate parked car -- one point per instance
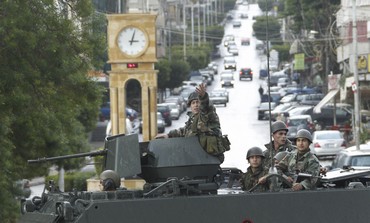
(246, 73)
(224, 91)
(283, 81)
(311, 99)
(23, 189)
(179, 100)
(229, 63)
(351, 157)
(160, 124)
(281, 109)
(214, 66)
(264, 106)
(302, 122)
(237, 24)
(165, 110)
(327, 143)
(175, 110)
(218, 97)
(227, 79)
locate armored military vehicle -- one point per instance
(185, 184)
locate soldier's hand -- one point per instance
(297, 186)
(161, 136)
(290, 179)
(262, 180)
(201, 89)
(323, 171)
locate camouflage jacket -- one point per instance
(250, 179)
(288, 146)
(205, 122)
(295, 163)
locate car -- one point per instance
(283, 81)
(327, 143)
(231, 44)
(160, 124)
(218, 97)
(165, 110)
(246, 73)
(175, 110)
(227, 79)
(311, 99)
(208, 72)
(214, 66)
(264, 106)
(228, 38)
(198, 79)
(302, 122)
(186, 92)
(274, 97)
(237, 24)
(300, 110)
(281, 109)
(229, 63)
(244, 16)
(233, 50)
(351, 157)
(179, 100)
(105, 112)
(224, 91)
(245, 42)
(23, 189)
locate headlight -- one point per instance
(222, 82)
(232, 82)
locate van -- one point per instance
(311, 99)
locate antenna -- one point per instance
(268, 82)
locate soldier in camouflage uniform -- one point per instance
(203, 121)
(255, 171)
(301, 161)
(280, 143)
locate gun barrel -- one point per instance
(46, 159)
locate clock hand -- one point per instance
(132, 39)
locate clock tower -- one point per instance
(132, 54)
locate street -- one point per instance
(239, 118)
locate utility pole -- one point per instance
(355, 85)
(184, 26)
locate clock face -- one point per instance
(132, 41)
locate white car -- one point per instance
(327, 143)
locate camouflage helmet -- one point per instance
(304, 133)
(193, 96)
(278, 125)
(110, 175)
(255, 151)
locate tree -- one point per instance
(265, 5)
(48, 105)
(259, 28)
(179, 72)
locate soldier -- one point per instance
(301, 161)
(110, 180)
(255, 171)
(203, 121)
(280, 143)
